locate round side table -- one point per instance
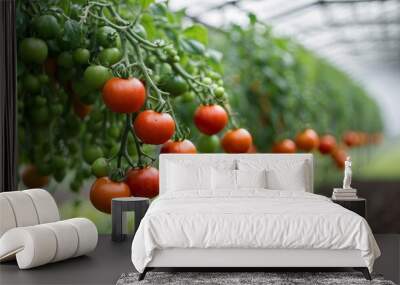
(119, 207)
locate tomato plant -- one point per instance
(101, 82)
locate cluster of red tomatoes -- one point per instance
(128, 95)
(308, 140)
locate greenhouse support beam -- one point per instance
(8, 98)
(316, 3)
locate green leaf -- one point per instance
(148, 24)
(192, 46)
(72, 33)
(145, 3)
(197, 32)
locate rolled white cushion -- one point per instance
(7, 218)
(87, 235)
(41, 244)
(46, 207)
(23, 208)
(66, 238)
(33, 246)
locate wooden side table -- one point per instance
(119, 207)
(358, 206)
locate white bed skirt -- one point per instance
(226, 257)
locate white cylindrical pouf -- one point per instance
(33, 246)
(7, 218)
(87, 234)
(67, 239)
(45, 205)
(23, 208)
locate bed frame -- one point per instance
(246, 258)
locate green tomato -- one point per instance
(219, 92)
(65, 59)
(31, 83)
(33, 50)
(113, 132)
(113, 150)
(47, 26)
(100, 167)
(108, 37)
(109, 56)
(91, 153)
(95, 76)
(207, 80)
(208, 144)
(188, 97)
(174, 85)
(40, 115)
(81, 56)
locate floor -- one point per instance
(110, 260)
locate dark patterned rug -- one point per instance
(269, 278)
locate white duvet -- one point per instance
(250, 219)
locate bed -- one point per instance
(246, 211)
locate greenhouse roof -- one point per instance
(361, 29)
(360, 36)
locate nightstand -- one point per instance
(119, 207)
(358, 206)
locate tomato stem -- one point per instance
(124, 139)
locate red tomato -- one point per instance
(351, 139)
(236, 141)
(80, 109)
(185, 146)
(327, 144)
(32, 178)
(143, 182)
(252, 149)
(124, 95)
(153, 127)
(339, 155)
(307, 140)
(104, 190)
(210, 119)
(284, 146)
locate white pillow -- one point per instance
(223, 179)
(296, 180)
(251, 178)
(184, 178)
(282, 174)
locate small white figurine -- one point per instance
(347, 173)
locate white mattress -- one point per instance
(252, 219)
